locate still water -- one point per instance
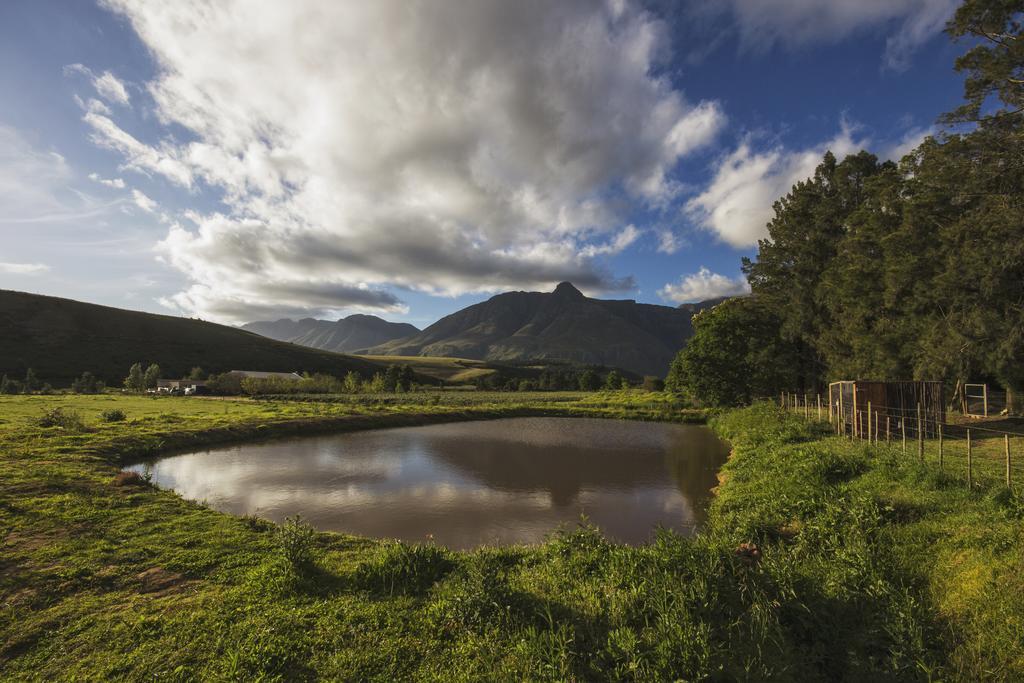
(466, 484)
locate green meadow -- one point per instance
(822, 560)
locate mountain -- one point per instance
(560, 325)
(344, 336)
(61, 338)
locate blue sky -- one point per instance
(251, 160)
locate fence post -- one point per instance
(940, 446)
(807, 408)
(869, 421)
(920, 435)
(819, 407)
(984, 393)
(1006, 446)
(903, 433)
(970, 462)
(782, 399)
(855, 420)
(888, 430)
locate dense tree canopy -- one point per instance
(891, 271)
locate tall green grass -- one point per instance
(822, 560)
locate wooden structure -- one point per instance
(899, 404)
(975, 402)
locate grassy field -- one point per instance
(822, 560)
(451, 370)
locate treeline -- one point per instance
(882, 270)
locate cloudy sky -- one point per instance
(239, 159)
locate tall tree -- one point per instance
(135, 381)
(803, 237)
(736, 354)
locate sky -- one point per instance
(236, 160)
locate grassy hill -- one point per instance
(61, 338)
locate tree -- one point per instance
(351, 383)
(994, 67)
(149, 379)
(589, 380)
(196, 373)
(391, 378)
(613, 381)
(736, 354)
(9, 386)
(31, 382)
(376, 384)
(405, 377)
(803, 237)
(135, 381)
(86, 384)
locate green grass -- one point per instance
(868, 567)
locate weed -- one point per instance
(295, 540)
(403, 568)
(68, 420)
(113, 415)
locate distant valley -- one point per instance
(354, 333)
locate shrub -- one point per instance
(403, 568)
(113, 415)
(295, 541)
(70, 420)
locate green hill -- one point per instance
(61, 338)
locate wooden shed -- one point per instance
(890, 403)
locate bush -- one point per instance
(403, 568)
(113, 415)
(70, 420)
(295, 540)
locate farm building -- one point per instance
(891, 405)
(177, 386)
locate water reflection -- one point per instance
(466, 483)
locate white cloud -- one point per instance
(107, 85)
(668, 241)
(143, 202)
(24, 268)
(443, 147)
(31, 179)
(703, 285)
(117, 183)
(138, 156)
(907, 143)
(737, 204)
(795, 23)
(616, 245)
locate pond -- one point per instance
(465, 484)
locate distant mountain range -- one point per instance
(61, 338)
(561, 325)
(342, 336)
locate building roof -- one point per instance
(258, 374)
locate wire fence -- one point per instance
(980, 455)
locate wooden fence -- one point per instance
(982, 454)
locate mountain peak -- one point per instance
(566, 289)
